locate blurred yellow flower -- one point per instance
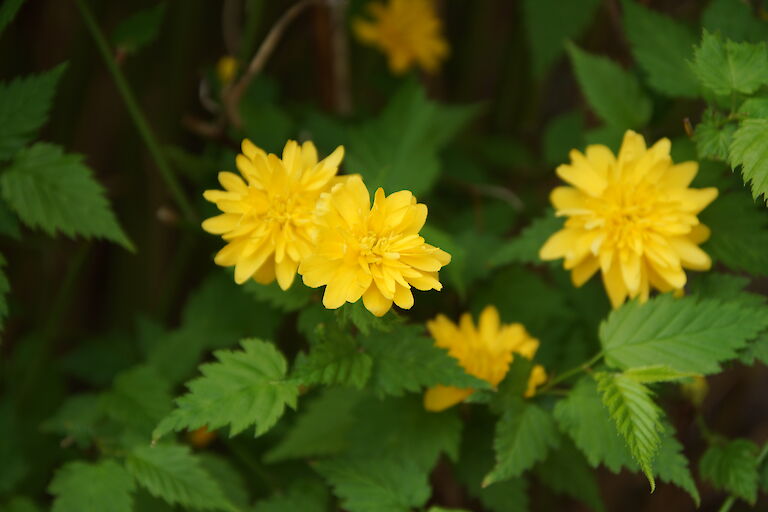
(409, 32)
(269, 219)
(633, 217)
(371, 252)
(485, 352)
(226, 69)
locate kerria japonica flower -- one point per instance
(484, 351)
(371, 252)
(268, 219)
(409, 32)
(633, 217)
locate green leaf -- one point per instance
(232, 483)
(245, 387)
(8, 11)
(524, 435)
(614, 94)
(301, 496)
(376, 485)
(585, 419)
(732, 467)
(400, 428)
(55, 192)
(321, 426)
(725, 67)
(748, 151)
(405, 360)
(734, 19)
(265, 122)
(16, 463)
(399, 149)
(77, 418)
(24, 105)
(357, 316)
(687, 334)
(140, 29)
(138, 400)
(292, 299)
(335, 359)
(656, 373)
(173, 473)
(566, 471)
(636, 416)
(80, 486)
(713, 136)
(757, 350)
(739, 233)
(550, 23)
(754, 107)
(671, 465)
(525, 247)
(662, 46)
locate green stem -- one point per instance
(136, 114)
(728, 503)
(570, 373)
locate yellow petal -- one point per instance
(285, 271)
(581, 175)
(221, 223)
(558, 245)
(537, 378)
(584, 270)
(691, 256)
(233, 183)
(375, 302)
(614, 285)
(266, 272)
(439, 398)
(403, 297)
(680, 175)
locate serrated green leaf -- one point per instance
(656, 373)
(662, 46)
(585, 419)
(566, 471)
(301, 496)
(739, 232)
(754, 107)
(687, 334)
(405, 360)
(229, 479)
(356, 315)
(757, 350)
(732, 467)
(636, 417)
(173, 473)
(24, 105)
(748, 150)
(104, 486)
(525, 247)
(727, 287)
(671, 465)
(56, 192)
(400, 428)
(550, 23)
(376, 485)
(713, 136)
(245, 387)
(139, 29)
(399, 149)
(335, 359)
(524, 435)
(321, 426)
(614, 94)
(725, 67)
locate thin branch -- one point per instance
(135, 112)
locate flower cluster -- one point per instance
(633, 217)
(294, 213)
(484, 351)
(409, 32)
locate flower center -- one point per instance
(372, 247)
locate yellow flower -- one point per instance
(407, 31)
(632, 217)
(269, 219)
(485, 352)
(374, 253)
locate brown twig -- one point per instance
(233, 94)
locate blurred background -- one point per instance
(506, 57)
